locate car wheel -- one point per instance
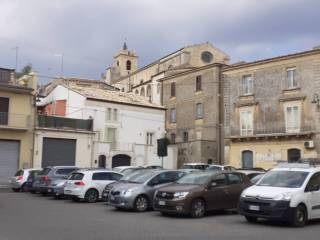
(24, 188)
(251, 219)
(91, 196)
(300, 216)
(198, 208)
(16, 189)
(141, 204)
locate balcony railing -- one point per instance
(45, 121)
(270, 128)
(13, 120)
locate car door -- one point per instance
(313, 195)
(100, 180)
(162, 180)
(235, 188)
(216, 194)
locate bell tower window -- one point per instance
(128, 65)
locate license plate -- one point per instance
(162, 203)
(254, 208)
(104, 195)
(49, 190)
(112, 197)
(68, 191)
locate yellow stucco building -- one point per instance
(17, 113)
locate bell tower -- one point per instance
(125, 61)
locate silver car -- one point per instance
(138, 193)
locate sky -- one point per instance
(89, 32)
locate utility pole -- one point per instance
(16, 48)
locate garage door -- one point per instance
(9, 159)
(58, 152)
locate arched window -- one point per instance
(247, 159)
(149, 91)
(137, 91)
(128, 65)
(142, 92)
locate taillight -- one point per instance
(79, 183)
(19, 178)
(45, 178)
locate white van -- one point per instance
(290, 192)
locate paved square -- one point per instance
(24, 216)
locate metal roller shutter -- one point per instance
(58, 152)
(9, 159)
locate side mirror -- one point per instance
(314, 188)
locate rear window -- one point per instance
(19, 173)
(76, 176)
(64, 171)
(45, 171)
(234, 178)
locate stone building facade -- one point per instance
(272, 110)
(192, 118)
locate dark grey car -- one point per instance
(50, 176)
(138, 193)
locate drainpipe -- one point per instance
(220, 152)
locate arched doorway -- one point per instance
(102, 161)
(121, 160)
(247, 159)
(142, 92)
(294, 155)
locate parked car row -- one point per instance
(289, 192)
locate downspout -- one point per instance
(220, 152)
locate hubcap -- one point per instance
(141, 204)
(92, 196)
(300, 216)
(198, 208)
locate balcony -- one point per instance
(271, 129)
(44, 121)
(14, 121)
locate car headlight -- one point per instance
(243, 194)
(180, 195)
(283, 197)
(128, 192)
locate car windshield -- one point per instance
(214, 168)
(127, 177)
(286, 179)
(141, 178)
(255, 179)
(128, 171)
(194, 178)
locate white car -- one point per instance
(89, 184)
(18, 181)
(290, 193)
(215, 167)
(200, 166)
